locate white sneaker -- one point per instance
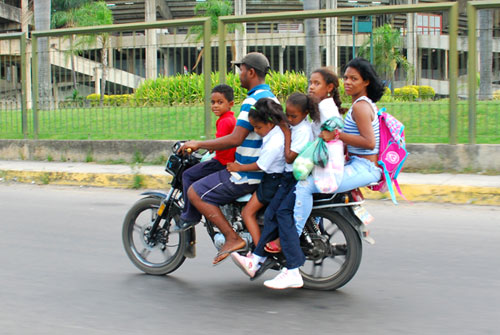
(246, 264)
(286, 279)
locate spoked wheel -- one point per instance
(334, 255)
(159, 254)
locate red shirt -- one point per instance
(224, 126)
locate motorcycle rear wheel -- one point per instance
(161, 256)
(337, 259)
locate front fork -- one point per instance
(162, 212)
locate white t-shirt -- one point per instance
(327, 110)
(272, 154)
(301, 135)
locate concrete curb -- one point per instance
(443, 194)
(414, 192)
(87, 179)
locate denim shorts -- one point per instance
(217, 188)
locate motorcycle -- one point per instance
(331, 239)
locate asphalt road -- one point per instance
(433, 270)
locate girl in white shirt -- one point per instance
(323, 84)
(264, 116)
(278, 218)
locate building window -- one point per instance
(429, 24)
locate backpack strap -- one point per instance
(388, 181)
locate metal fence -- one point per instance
(100, 82)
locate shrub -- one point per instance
(387, 97)
(426, 92)
(109, 100)
(406, 93)
(496, 95)
(189, 89)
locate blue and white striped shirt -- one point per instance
(350, 127)
(248, 152)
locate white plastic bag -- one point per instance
(328, 179)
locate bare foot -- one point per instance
(228, 248)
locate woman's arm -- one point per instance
(363, 116)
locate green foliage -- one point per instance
(426, 92)
(137, 181)
(283, 85)
(387, 47)
(212, 9)
(387, 97)
(110, 100)
(414, 92)
(496, 95)
(75, 100)
(188, 89)
(406, 93)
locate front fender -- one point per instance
(155, 194)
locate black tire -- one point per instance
(332, 269)
(161, 258)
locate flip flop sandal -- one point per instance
(272, 248)
(222, 255)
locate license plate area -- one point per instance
(362, 214)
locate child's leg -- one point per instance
(249, 215)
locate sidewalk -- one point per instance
(444, 187)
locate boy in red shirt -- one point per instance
(222, 100)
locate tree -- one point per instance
(311, 26)
(42, 22)
(212, 9)
(64, 16)
(88, 14)
(387, 45)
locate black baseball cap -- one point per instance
(255, 60)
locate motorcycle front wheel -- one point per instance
(336, 253)
(158, 255)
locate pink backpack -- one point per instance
(392, 154)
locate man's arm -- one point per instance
(232, 140)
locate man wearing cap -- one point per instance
(223, 187)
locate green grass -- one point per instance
(425, 122)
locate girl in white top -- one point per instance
(278, 218)
(264, 116)
(323, 84)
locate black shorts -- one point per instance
(268, 187)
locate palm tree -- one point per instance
(64, 16)
(42, 22)
(212, 9)
(94, 14)
(311, 26)
(387, 46)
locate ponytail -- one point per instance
(338, 102)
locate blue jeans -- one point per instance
(278, 221)
(357, 172)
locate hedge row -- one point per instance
(189, 89)
(414, 92)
